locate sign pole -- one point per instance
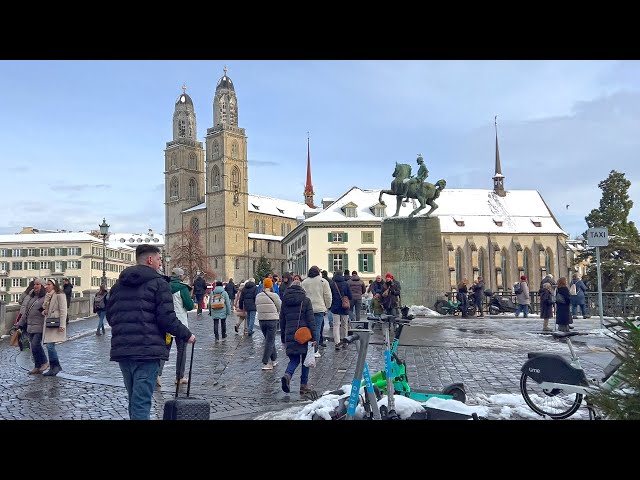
(600, 309)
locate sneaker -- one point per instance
(224, 336)
(338, 346)
(267, 366)
(317, 355)
(44, 367)
(34, 371)
(53, 371)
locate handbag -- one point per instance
(560, 298)
(52, 322)
(303, 334)
(345, 303)
(15, 338)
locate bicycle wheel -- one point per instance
(554, 403)
(441, 307)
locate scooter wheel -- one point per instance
(494, 310)
(458, 394)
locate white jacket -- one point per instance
(318, 291)
(178, 306)
(268, 305)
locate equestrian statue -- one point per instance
(404, 187)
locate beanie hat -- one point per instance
(296, 283)
(388, 275)
(267, 283)
(523, 278)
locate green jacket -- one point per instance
(182, 301)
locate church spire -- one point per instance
(308, 188)
(498, 178)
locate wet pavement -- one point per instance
(485, 354)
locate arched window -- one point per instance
(215, 175)
(255, 246)
(288, 228)
(216, 150)
(234, 149)
(193, 188)
(504, 265)
(174, 161)
(195, 226)
(182, 128)
(235, 176)
(191, 129)
(458, 265)
(192, 161)
(548, 263)
(481, 264)
(262, 226)
(282, 229)
(173, 188)
(526, 262)
(256, 226)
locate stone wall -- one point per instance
(80, 307)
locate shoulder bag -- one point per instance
(52, 322)
(343, 298)
(303, 334)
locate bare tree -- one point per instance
(190, 256)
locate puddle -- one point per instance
(478, 331)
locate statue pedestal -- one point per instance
(412, 253)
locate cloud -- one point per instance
(263, 163)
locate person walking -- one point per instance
(32, 322)
(340, 312)
(563, 315)
(329, 314)
(140, 310)
(231, 290)
(67, 287)
(199, 289)
(240, 313)
(478, 295)
(523, 299)
(219, 309)
(99, 308)
(546, 305)
(296, 312)
(54, 306)
(317, 289)
(377, 288)
(268, 306)
(248, 303)
(285, 283)
(358, 289)
(391, 295)
(578, 297)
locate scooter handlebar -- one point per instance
(351, 338)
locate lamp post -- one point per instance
(165, 263)
(104, 231)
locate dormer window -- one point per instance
(498, 221)
(459, 221)
(378, 210)
(536, 221)
(350, 210)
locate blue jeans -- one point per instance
(524, 308)
(101, 315)
(251, 320)
(319, 319)
(53, 355)
(140, 380)
(294, 360)
(268, 328)
(199, 298)
(574, 309)
(37, 351)
(330, 318)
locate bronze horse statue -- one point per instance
(424, 192)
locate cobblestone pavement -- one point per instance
(484, 354)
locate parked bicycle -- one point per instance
(555, 387)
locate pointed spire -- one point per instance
(308, 188)
(498, 178)
(184, 88)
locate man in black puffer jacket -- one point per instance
(140, 312)
(296, 312)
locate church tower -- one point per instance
(498, 178)
(184, 168)
(227, 186)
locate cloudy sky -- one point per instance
(83, 140)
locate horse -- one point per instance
(424, 192)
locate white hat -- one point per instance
(177, 271)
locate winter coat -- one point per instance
(546, 305)
(377, 288)
(67, 292)
(478, 291)
(284, 285)
(547, 279)
(523, 297)
(140, 311)
(317, 289)
(182, 301)
(220, 312)
(99, 299)
(32, 317)
(56, 308)
(289, 315)
(563, 315)
(248, 297)
(392, 299)
(579, 297)
(231, 290)
(199, 287)
(341, 288)
(357, 287)
(268, 305)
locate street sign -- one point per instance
(598, 237)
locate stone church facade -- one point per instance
(206, 192)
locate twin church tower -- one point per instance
(206, 192)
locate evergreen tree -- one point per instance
(263, 269)
(623, 404)
(620, 261)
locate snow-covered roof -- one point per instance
(262, 236)
(49, 237)
(269, 206)
(134, 239)
(459, 210)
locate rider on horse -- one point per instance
(423, 173)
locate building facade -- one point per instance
(206, 192)
(76, 256)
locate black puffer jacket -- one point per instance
(342, 287)
(289, 314)
(248, 297)
(140, 312)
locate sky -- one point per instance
(83, 140)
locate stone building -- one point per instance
(206, 192)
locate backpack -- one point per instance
(217, 301)
(98, 304)
(573, 290)
(517, 288)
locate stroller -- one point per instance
(499, 304)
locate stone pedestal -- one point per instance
(412, 253)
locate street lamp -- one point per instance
(165, 263)
(104, 231)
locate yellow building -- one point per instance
(206, 192)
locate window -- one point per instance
(255, 246)
(32, 265)
(503, 265)
(16, 282)
(367, 237)
(458, 265)
(547, 261)
(216, 150)
(59, 252)
(282, 248)
(16, 265)
(237, 263)
(459, 220)
(337, 261)
(173, 188)
(31, 252)
(193, 189)
(235, 176)
(338, 237)
(215, 263)
(44, 265)
(192, 161)
(75, 280)
(57, 266)
(77, 251)
(15, 252)
(288, 228)
(526, 262)
(215, 175)
(234, 149)
(379, 211)
(256, 226)
(73, 264)
(3, 282)
(253, 263)
(365, 262)
(182, 127)
(15, 297)
(350, 212)
(537, 222)
(282, 234)
(262, 226)
(481, 264)
(268, 246)
(4, 252)
(4, 266)
(174, 161)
